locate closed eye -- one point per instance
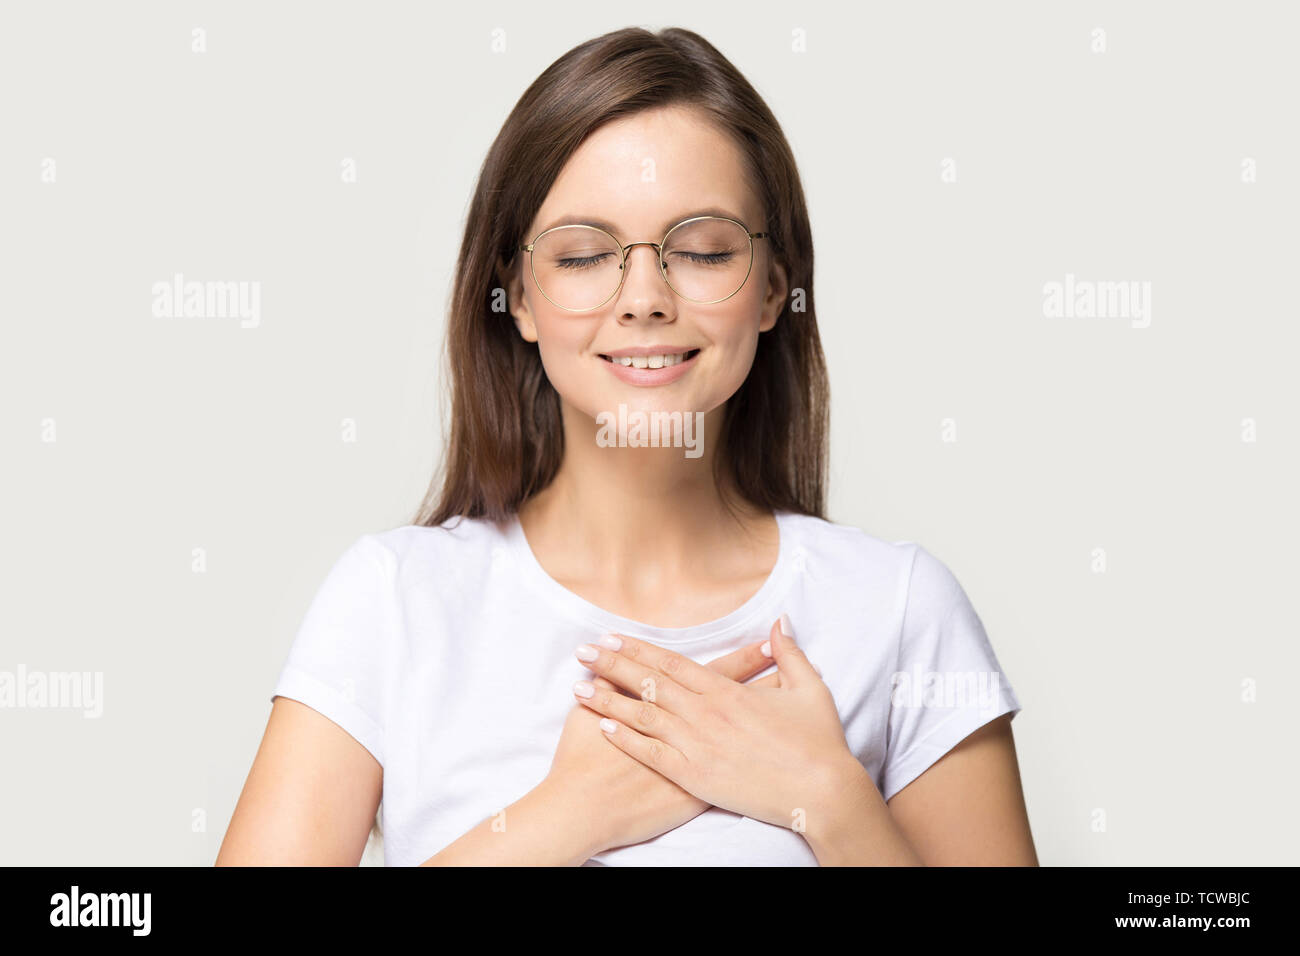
(705, 258)
(583, 262)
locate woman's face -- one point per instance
(642, 174)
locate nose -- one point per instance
(644, 291)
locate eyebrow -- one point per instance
(609, 227)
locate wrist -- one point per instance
(565, 815)
(852, 817)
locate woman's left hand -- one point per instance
(774, 752)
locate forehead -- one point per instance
(640, 174)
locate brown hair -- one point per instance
(507, 439)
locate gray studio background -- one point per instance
(957, 157)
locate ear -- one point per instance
(518, 304)
(778, 288)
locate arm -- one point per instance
(310, 797)
(313, 791)
(852, 825)
(294, 811)
(967, 809)
(532, 831)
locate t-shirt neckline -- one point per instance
(576, 606)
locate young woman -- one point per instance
(562, 660)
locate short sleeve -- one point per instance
(337, 663)
(947, 684)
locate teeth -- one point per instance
(650, 361)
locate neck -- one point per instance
(643, 515)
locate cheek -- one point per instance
(555, 349)
(738, 361)
(562, 346)
(734, 339)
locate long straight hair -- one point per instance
(507, 439)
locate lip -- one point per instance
(651, 350)
(650, 376)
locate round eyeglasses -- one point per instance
(705, 259)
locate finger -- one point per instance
(792, 664)
(680, 668)
(649, 751)
(641, 715)
(606, 685)
(635, 675)
(742, 663)
(771, 680)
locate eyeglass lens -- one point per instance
(577, 267)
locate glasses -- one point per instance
(705, 259)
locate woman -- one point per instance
(638, 250)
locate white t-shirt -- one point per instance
(447, 652)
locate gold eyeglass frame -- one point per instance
(659, 250)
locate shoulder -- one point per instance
(919, 579)
(457, 547)
(829, 545)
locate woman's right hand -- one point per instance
(614, 799)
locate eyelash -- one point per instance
(708, 259)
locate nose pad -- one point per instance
(654, 249)
(654, 257)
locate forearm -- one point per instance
(853, 826)
(538, 829)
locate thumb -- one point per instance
(792, 664)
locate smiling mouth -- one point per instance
(652, 361)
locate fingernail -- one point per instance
(786, 629)
(607, 725)
(586, 652)
(612, 641)
(766, 649)
(584, 688)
